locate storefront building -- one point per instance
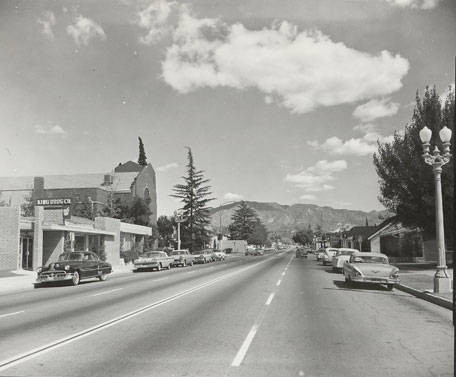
(30, 242)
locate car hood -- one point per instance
(375, 269)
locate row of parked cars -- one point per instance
(75, 266)
(360, 267)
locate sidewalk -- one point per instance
(419, 282)
(23, 280)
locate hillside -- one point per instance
(284, 218)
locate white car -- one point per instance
(219, 255)
(328, 255)
(343, 255)
(371, 268)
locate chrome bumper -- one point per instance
(54, 276)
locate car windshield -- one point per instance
(370, 259)
(346, 252)
(70, 256)
(176, 252)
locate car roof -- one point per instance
(366, 254)
(349, 249)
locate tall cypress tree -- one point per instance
(142, 159)
(194, 195)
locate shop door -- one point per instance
(27, 253)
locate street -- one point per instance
(271, 315)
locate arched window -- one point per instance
(146, 194)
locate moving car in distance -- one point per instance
(328, 255)
(301, 252)
(181, 257)
(203, 256)
(153, 260)
(343, 255)
(73, 267)
(219, 255)
(372, 268)
(319, 254)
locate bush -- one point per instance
(129, 255)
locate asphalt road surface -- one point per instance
(272, 315)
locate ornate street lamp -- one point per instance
(442, 280)
(179, 218)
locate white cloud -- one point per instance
(47, 21)
(171, 165)
(414, 4)
(300, 70)
(363, 146)
(375, 109)
(154, 19)
(231, 197)
(84, 29)
(308, 197)
(54, 130)
(316, 178)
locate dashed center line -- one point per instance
(278, 282)
(106, 292)
(269, 300)
(11, 314)
(166, 277)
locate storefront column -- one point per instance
(86, 242)
(38, 237)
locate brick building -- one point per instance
(91, 192)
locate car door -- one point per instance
(91, 265)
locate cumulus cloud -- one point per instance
(375, 109)
(171, 165)
(231, 197)
(316, 178)
(300, 70)
(47, 21)
(84, 29)
(54, 130)
(154, 19)
(414, 4)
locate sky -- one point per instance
(280, 101)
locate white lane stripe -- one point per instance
(245, 347)
(8, 363)
(278, 282)
(269, 300)
(11, 314)
(106, 292)
(166, 277)
(283, 273)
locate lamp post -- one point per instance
(442, 280)
(179, 218)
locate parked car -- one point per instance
(301, 252)
(219, 255)
(258, 251)
(181, 257)
(204, 256)
(73, 267)
(328, 255)
(153, 260)
(343, 255)
(373, 268)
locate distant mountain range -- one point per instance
(284, 218)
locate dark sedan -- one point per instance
(74, 267)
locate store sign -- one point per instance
(53, 203)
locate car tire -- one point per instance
(324, 263)
(168, 267)
(191, 263)
(184, 263)
(37, 285)
(389, 287)
(76, 278)
(159, 267)
(103, 276)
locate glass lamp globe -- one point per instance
(445, 134)
(425, 135)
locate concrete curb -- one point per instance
(444, 303)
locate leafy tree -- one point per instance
(244, 220)
(142, 159)
(259, 235)
(139, 212)
(165, 228)
(303, 236)
(194, 195)
(406, 182)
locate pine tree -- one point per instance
(142, 159)
(244, 220)
(195, 195)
